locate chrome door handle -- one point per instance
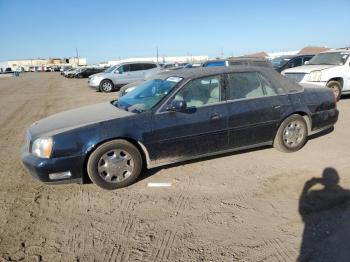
(215, 116)
(276, 106)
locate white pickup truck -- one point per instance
(327, 69)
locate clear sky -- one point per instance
(106, 30)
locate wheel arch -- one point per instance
(338, 79)
(302, 113)
(139, 145)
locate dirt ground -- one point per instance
(246, 206)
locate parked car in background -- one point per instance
(65, 68)
(74, 72)
(8, 70)
(234, 61)
(176, 116)
(327, 69)
(289, 61)
(122, 74)
(86, 72)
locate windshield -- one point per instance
(109, 70)
(332, 58)
(146, 95)
(279, 62)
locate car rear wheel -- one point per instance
(336, 88)
(114, 164)
(291, 135)
(106, 86)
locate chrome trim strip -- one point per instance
(151, 165)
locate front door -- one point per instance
(198, 130)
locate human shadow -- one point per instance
(326, 215)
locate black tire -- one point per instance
(124, 178)
(336, 88)
(292, 128)
(106, 86)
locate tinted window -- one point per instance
(296, 62)
(214, 63)
(149, 66)
(306, 58)
(200, 92)
(247, 85)
(124, 68)
(136, 67)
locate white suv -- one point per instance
(122, 74)
(327, 69)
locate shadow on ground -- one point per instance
(326, 215)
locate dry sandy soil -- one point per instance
(245, 206)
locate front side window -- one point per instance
(146, 95)
(123, 69)
(306, 58)
(248, 85)
(296, 62)
(201, 92)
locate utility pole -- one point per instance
(157, 56)
(76, 50)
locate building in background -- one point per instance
(162, 59)
(41, 64)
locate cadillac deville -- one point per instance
(176, 116)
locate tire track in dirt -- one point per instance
(163, 252)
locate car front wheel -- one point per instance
(336, 88)
(291, 135)
(114, 164)
(106, 86)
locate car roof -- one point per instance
(192, 73)
(345, 50)
(136, 62)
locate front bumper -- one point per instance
(94, 84)
(41, 168)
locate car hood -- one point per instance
(102, 74)
(307, 68)
(75, 118)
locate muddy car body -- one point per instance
(176, 116)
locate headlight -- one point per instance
(314, 76)
(42, 147)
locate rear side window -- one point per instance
(136, 67)
(149, 66)
(248, 85)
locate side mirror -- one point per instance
(177, 106)
(306, 62)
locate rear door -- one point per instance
(201, 129)
(254, 109)
(136, 72)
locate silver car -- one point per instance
(122, 74)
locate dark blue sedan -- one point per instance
(176, 116)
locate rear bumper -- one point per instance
(324, 119)
(41, 168)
